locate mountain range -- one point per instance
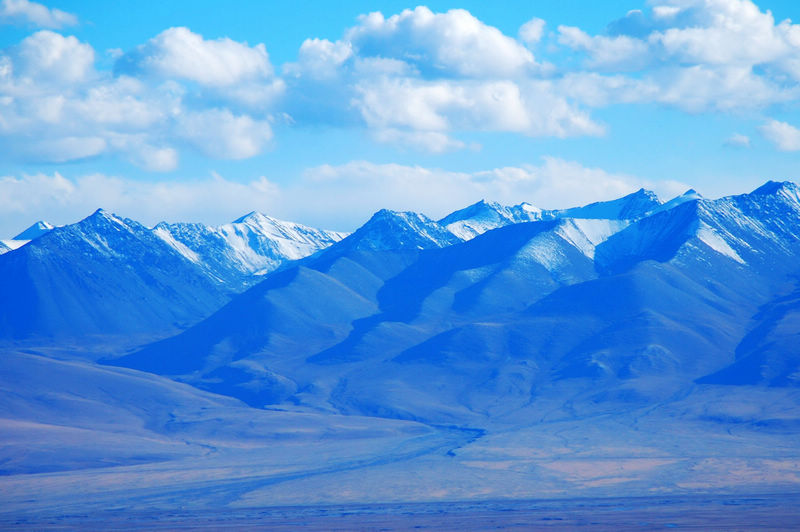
(618, 347)
(667, 291)
(108, 276)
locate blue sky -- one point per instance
(202, 111)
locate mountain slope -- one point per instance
(372, 292)
(751, 231)
(101, 276)
(768, 354)
(292, 313)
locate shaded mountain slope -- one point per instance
(102, 276)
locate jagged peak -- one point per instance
(770, 187)
(527, 207)
(35, 231)
(404, 216)
(252, 216)
(643, 193)
(775, 187)
(102, 215)
(394, 230)
(473, 210)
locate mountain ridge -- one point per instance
(643, 293)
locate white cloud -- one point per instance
(418, 78)
(454, 43)
(63, 149)
(429, 141)
(694, 32)
(221, 134)
(531, 108)
(147, 156)
(178, 53)
(620, 52)
(532, 31)
(698, 88)
(697, 55)
(321, 58)
(737, 140)
(55, 107)
(785, 136)
(26, 12)
(726, 32)
(49, 56)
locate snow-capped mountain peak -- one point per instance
(250, 216)
(31, 233)
(631, 207)
(393, 230)
(689, 195)
(252, 244)
(485, 215)
(35, 231)
(786, 189)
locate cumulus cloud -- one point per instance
(56, 107)
(530, 108)
(49, 56)
(784, 136)
(454, 43)
(34, 13)
(722, 32)
(179, 53)
(697, 55)
(418, 78)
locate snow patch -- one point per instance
(14, 244)
(164, 234)
(711, 238)
(586, 234)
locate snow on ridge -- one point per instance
(254, 244)
(12, 244)
(35, 231)
(631, 207)
(393, 230)
(164, 234)
(712, 239)
(476, 219)
(586, 233)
